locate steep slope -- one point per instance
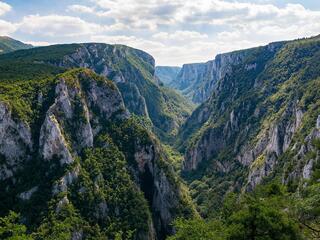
(260, 123)
(131, 69)
(8, 44)
(167, 74)
(74, 163)
(196, 81)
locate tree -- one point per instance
(308, 210)
(259, 220)
(265, 214)
(198, 229)
(11, 229)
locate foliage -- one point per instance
(106, 181)
(262, 215)
(308, 210)
(198, 229)
(11, 229)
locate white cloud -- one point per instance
(58, 26)
(4, 8)
(173, 31)
(80, 9)
(179, 36)
(7, 28)
(38, 43)
(131, 41)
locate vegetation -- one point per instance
(11, 229)
(284, 81)
(112, 195)
(9, 45)
(268, 213)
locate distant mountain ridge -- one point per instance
(8, 44)
(196, 81)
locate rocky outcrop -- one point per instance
(28, 194)
(80, 109)
(15, 142)
(305, 156)
(162, 193)
(52, 141)
(66, 180)
(271, 143)
(133, 71)
(197, 80)
(102, 58)
(79, 103)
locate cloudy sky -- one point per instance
(173, 31)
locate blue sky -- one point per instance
(173, 31)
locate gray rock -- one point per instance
(15, 142)
(197, 80)
(66, 180)
(27, 194)
(52, 141)
(63, 202)
(78, 235)
(307, 170)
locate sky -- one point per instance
(174, 32)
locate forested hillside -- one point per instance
(259, 127)
(93, 145)
(75, 163)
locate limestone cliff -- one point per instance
(197, 80)
(84, 125)
(134, 73)
(257, 124)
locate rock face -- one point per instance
(306, 155)
(257, 121)
(70, 114)
(197, 80)
(83, 109)
(98, 57)
(134, 73)
(158, 188)
(272, 143)
(15, 142)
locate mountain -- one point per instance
(260, 124)
(196, 81)
(74, 162)
(92, 144)
(133, 72)
(167, 74)
(8, 44)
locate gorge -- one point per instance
(96, 142)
